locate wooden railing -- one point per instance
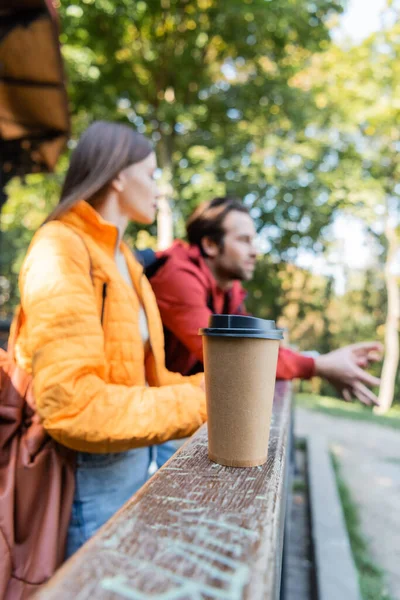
(195, 530)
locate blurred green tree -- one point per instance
(214, 84)
(359, 87)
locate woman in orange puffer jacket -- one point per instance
(91, 332)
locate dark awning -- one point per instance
(34, 116)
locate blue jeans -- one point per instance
(104, 482)
(164, 451)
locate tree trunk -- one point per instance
(165, 225)
(391, 361)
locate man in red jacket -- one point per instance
(194, 280)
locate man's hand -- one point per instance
(344, 368)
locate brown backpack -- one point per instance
(36, 485)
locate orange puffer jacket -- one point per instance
(90, 378)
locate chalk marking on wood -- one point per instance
(175, 469)
(174, 499)
(201, 534)
(199, 556)
(183, 456)
(190, 511)
(205, 566)
(205, 536)
(202, 520)
(185, 549)
(123, 530)
(213, 541)
(237, 582)
(231, 527)
(207, 553)
(118, 585)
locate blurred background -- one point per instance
(293, 105)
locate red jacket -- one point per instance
(187, 294)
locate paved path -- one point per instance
(369, 455)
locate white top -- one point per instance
(123, 269)
(143, 326)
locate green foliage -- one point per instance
(265, 297)
(27, 206)
(213, 84)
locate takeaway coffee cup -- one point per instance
(240, 356)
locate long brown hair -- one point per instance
(103, 150)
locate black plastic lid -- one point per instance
(239, 326)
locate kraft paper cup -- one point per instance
(240, 357)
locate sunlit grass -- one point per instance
(349, 410)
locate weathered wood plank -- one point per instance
(195, 530)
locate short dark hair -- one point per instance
(208, 220)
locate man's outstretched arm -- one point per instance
(182, 301)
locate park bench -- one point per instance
(195, 530)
